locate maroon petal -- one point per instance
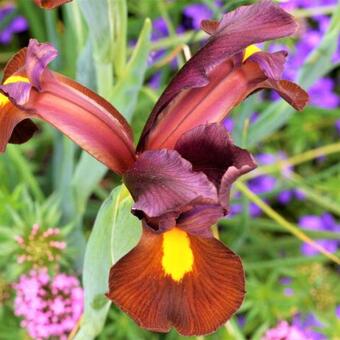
(83, 116)
(289, 91)
(23, 132)
(272, 64)
(49, 4)
(162, 182)
(210, 150)
(37, 58)
(198, 221)
(238, 29)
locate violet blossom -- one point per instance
(17, 24)
(50, 306)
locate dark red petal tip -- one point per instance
(50, 4)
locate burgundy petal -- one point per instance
(83, 116)
(162, 182)
(272, 64)
(23, 132)
(39, 55)
(210, 149)
(243, 163)
(50, 4)
(289, 91)
(198, 221)
(238, 29)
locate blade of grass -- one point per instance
(295, 160)
(283, 222)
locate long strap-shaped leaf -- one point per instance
(115, 232)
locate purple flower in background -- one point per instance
(194, 14)
(337, 311)
(15, 25)
(310, 325)
(337, 126)
(284, 331)
(266, 183)
(301, 328)
(322, 95)
(325, 222)
(50, 306)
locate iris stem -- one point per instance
(309, 12)
(295, 160)
(283, 222)
(17, 158)
(316, 197)
(164, 13)
(284, 262)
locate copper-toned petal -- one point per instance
(85, 122)
(272, 64)
(289, 91)
(210, 149)
(16, 63)
(177, 280)
(89, 120)
(238, 29)
(49, 4)
(210, 26)
(100, 101)
(162, 182)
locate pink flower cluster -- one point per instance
(40, 246)
(284, 331)
(49, 306)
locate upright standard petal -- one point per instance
(178, 280)
(163, 184)
(210, 150)
(79, 113)
(245, 26)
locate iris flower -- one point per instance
(181, 171)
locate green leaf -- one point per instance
(116, 231)
(99, 19)
(126, 90)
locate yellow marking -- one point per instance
(178, 258)
(10, 80)
(249, 51)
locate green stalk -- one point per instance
(295, 160)
(26, 172)
(283, 222)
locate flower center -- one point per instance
(178, 258)
(11, 80)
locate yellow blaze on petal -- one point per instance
(249, 51)
(178, 258)
(10, 80)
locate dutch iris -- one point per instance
(181, 172)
